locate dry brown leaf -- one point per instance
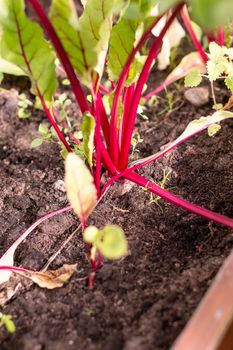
(51, 279)
(80, 187)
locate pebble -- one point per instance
(60, 186)
(198, 96)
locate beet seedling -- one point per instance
(107, 39)
(6, 321)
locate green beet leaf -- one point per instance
(85, 39)
(210, 14)
(113, 244)
(110, 241)
(125, 35)
(23, 45)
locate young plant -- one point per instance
(6, 321)
(107, 38)
(219, 66)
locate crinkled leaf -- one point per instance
(88, 131)
(23, 44)
(214, 70)
(51, 279)
(85, 39)
(80, 187)
(193, 78)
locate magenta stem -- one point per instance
(97, 141)
(221, 36)
(127, 100)
(187, 22)
(76, 86)
(193, 208)
(104, 120)
(127, 134)
(104, 90)
(117, 96)
(14, 269)
(32, 227)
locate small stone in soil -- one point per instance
(198, 96)
(60, 186)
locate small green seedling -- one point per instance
(23, 104)
(155, 199)
(110, 241)
(219, 66)
(6, 321)
(136, 140)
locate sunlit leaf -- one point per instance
(113, 244)
(125, 35)
(80, 187)
(214, 70)
(110, 241)
(193, 78)
(10, 68)
(85, 39)
(23, 44)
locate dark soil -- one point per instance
(143, 301)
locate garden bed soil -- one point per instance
(143, 301)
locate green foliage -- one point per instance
(6, 321)
(9, 68)
(219, 66)
(36, 143)
(61, 104)
(88, 129)
(210, 14)
(85, 39)
(23, 105)
(229, 83)
(125, 35)
(110, 241)
(193, 78)
(23, 45)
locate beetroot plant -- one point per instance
(103, 45)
